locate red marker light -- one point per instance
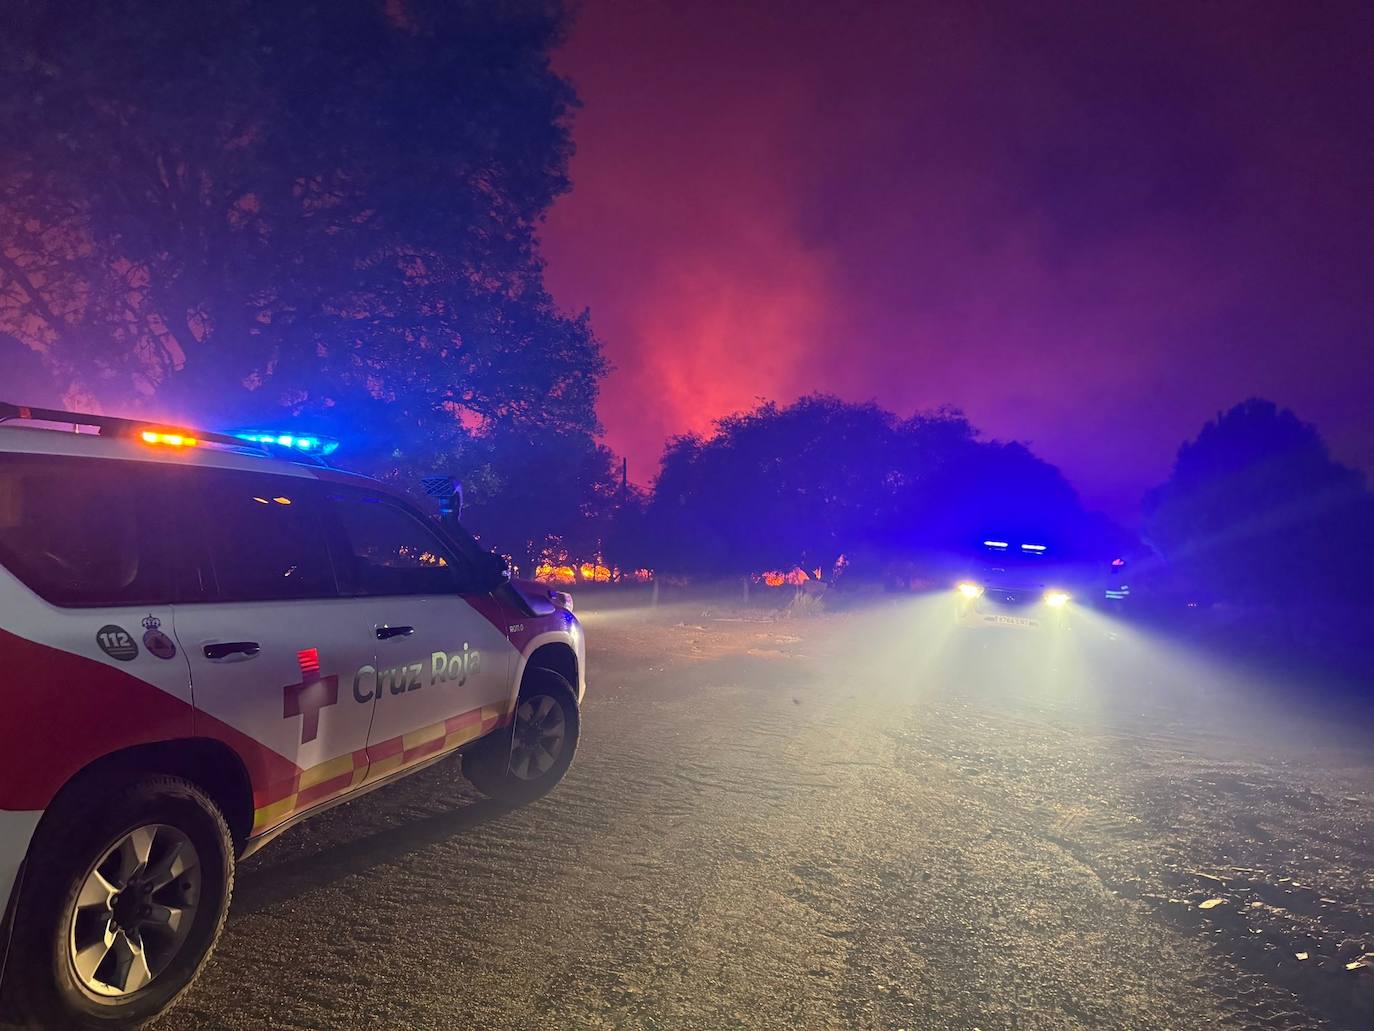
(309, 659)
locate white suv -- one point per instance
(206, 640)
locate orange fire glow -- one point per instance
(776, 578)
(557, 567)
(594, 573)
(548, 573)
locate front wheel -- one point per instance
(528, 760)
(124, 899)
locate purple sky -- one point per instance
(1089, 229)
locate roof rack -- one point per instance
(114, 426)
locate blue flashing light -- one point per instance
(308, 444)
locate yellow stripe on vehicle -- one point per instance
(355, 763)
(327, 771)
(270, 814)
(463, 735)
(416, 738)
(384, 766)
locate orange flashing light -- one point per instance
(170, 439)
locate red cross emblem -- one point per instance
(312, 694)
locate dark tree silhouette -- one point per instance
(801, 485)
(25, 375)
(232, 208)
(955, 488)
(1257, 511)
(631, 540)
(524, 491)
(774, 488)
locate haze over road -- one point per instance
(859, 820)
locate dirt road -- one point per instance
(860, 820)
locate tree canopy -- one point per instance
(801, 485)
(236, 211)
(1258, 511)
(773, 488)
(527, 491)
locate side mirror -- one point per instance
(492, 571)
(449, 493)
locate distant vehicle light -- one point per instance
(1056, 599)
(307, 443)
(1118, 561)
(170, 439)
(970, 590)
(1033, 547)
(994, 544)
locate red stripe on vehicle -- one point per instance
(428, 748)
(64, 711)
(386, 749)
(503, 618)
(319, 792)
(466, 719)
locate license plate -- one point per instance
(1025, 622)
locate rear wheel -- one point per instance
(527, 760)
(123, 901)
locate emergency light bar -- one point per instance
(308, 442)
(114, 426)
(310, 446)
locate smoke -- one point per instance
(1090, 228)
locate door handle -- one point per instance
(386, 632)
(224, 649)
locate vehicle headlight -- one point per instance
(969, 589)
(1056, 599)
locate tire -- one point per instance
(508, 766)
(155, 831)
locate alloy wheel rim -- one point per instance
(540, 733)
(134, 911)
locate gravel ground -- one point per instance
(863, 820)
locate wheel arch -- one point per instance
(557, 656)
(210, 764)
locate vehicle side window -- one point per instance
(263, 536)
(387, 550)
(85, 532)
